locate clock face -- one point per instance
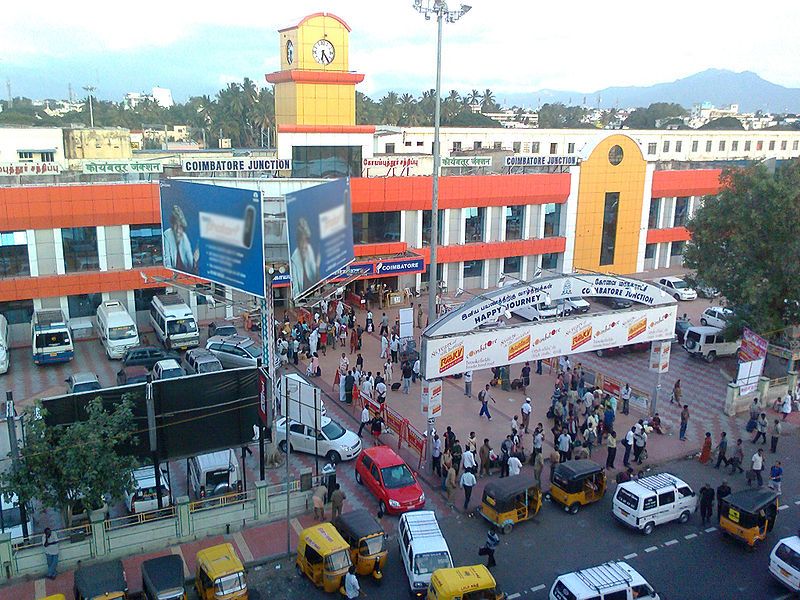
(323, 52)
(289, 52)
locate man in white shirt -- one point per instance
(366, 388)
(514, 466)
(526, 410)
(564, 443)
(380, 390)
(626, 399)
(351, 587)
(628, 447)
(758, 467)
(468, 482)
(468, 460)
(468, 384)
(365, 419)
(415, 371)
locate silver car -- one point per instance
(235, 350)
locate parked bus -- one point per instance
(51, 340)
(173, 322)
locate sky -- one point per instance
(509, 46)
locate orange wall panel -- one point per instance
(382, 249)
(698, 182)
(671, 234)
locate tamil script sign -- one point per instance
(238, 165)
(121, 166)
(396, 166)
(534, 160)
(539, 340)
(466, 161)
(30, 168)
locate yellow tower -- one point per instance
(314, 87)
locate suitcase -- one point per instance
(395, 386)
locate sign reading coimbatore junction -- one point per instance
(536, 160)
(238, 165)
(453, 344)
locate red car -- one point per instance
(389, 479)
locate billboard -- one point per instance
(320, 228)
(752, 355)
(214, 233)
(453, 354)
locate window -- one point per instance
(515, 216)
(473, 268)
(655, 208)
(708, 146)
(759, 145)
(552, 220)
(477, 145)
(498, 145)
(420, 144)
(14, 260)
(517, 147)
(651, 148)
(678, 146)
(80, 249)
(534, 147)
(571, 148)
(17, 311)
(694, 145)
(747, 146)
(83, 305)
(407, 144)
(456, 146)
(735, 145)
(722, 145)
(772, 145)
(665, 147)
(685, 492)
(795, 145)
(146, 245)
(389, 149)
(25, 156)
(677, 248)
(327, 161)
(425, 277)
(650, 503)
(143, 297)
(650, 251)
(615, 155)
(681, 211)
(783, 145)
(426, 227)
(473, 224)
(666, 498)
(48, 156)
(374, 228)
(608, 241)
(512, 264)
(553, 148)
(550, 261)
(618, 595)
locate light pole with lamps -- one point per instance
(440, 9)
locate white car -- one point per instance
(784, 562)
(716, 316)
(678, 288)
(577, 305)
(332, 441)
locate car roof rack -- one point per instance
(658, 482)
(422, 525)
(604, 576)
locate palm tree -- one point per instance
(488, 103)
(474, 97)
(408, 110)
(263, 114)
(390, 110)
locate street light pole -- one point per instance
(90, 89)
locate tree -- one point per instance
(82, 461)
(745, 244)
(488, 103)
(724, 123)
(652, 116)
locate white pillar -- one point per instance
(33, 257)
(569, 214)
(646, 199)
(503, 219)
(59, 250)
(127, 251)
(102, 250)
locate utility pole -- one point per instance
(8, 91)
(90, 89)
(14, 445)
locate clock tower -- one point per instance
(314, 87)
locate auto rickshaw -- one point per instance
(367, 542)
(101, 580)
(55, 597)
(576, 483)
(469, 583)
(749, 514)
(323, 556)
(509, 501)
(219, 574)
(162, 578)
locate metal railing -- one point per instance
(66, 535)
(224, 500)
(141, 517)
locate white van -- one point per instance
(11, 517)
(51, 339)
(612, 580)
(174, 322)
(709, 343)
(214, 474)
(655, 500)
(784, 562)
(423, 549)
(5, 345)
(116, 329)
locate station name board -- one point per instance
(534, 160)
(238, 165)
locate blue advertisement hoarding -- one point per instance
(214, 233)
(320, 228)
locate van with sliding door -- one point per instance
(173, 322)
(51, 339)
(115, 328)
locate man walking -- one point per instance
(538, 439)
(626, 460)
(51, 551)
(492, 541)
(722, 450)
(776, 435)
(420, 316)
(468, 481)
(526, 410)
(761, 429)
(505, 454)
(626, 399)
(684, 422)
(484, 453)
(722, 491)
(757, 467)
(436, 454)
(407, 372)
(776, 477)
(384, 325)
(337, 501)
(349, 382)
(738, 458)
(394, 347)
(468, 460)
(483, 398)
(365, 419)
(564, 443)
(706, 502)
(611, 444)
(468, 384)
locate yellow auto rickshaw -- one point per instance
(220, 574)
(323, 556)
(367, 542)
(577, 483)
(464, 583)
(56, 597)
(509, 501)
(749, 515)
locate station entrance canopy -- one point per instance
(455, 343)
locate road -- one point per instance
(680, 561)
